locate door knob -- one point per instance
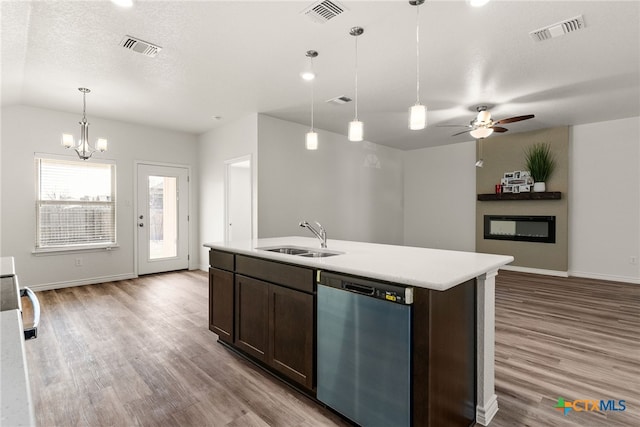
(141, 217)
(140, 224)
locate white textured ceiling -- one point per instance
(233, 58)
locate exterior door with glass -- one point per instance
(162, 218)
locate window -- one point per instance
(75, 204)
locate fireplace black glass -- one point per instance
(520, 228)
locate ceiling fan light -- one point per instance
(481, 132)
(417, 117)
(67, 140)
(356, 131)
(484, 116)
(311, 140)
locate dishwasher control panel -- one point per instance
(381, 290)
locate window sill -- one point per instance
(73, 249)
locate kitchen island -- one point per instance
(263, 303)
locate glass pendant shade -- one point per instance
(67, 140)
(484, 116)
(311, 140)
(417, 117)
(101, 145)
(355, 131)
(481, 132)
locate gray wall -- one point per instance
(235, 139)
(354, 189)
(440, 197)
(27, 130)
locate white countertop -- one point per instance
(421, 267)
(7, 266)
(15, 395)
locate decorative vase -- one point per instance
(539, 187)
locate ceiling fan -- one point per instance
(483, 125)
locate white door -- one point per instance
(162, 218)
(239, 199)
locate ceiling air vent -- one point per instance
(559, 29)
(140, 46)
(339, 100)
(321, 11)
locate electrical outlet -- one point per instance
(633, 260)
(78, 262)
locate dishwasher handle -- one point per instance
(357, 288)
(32, 332)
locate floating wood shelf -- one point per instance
(548, 195)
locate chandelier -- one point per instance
(83, 148)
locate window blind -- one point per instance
(75, 203)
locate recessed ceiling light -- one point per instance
(123, 3)
(478, 3)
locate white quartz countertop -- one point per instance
(15, 397)
(421, 267)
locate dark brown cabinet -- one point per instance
(252, 324)
(291, 323)
(221, 291)
(266, 309)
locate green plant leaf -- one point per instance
(540, 161)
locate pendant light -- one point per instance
(355, 126)
(84, 150)
(417, 112)
(311, 139)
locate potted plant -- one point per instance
(540, 163)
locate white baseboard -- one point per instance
(81, 282)
(484, 414)
(204, 267)
(609, 277)
(535, 271)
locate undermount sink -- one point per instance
(301, 251)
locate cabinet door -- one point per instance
(291, 348)
(221, 303)
(252, 299)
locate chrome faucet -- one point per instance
(321, 235)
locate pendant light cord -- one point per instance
(417, 54)
(312, 98)
(356, 104)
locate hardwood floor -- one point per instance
(571, 338)
(138, 352)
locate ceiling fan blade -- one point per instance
(514, 119)
(499, 129)
(457, 126)
(460, 133)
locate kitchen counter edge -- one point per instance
(435, 269)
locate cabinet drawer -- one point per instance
(222, 260)
(283, 274)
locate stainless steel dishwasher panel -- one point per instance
(364, 357)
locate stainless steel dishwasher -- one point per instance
(364, 349)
